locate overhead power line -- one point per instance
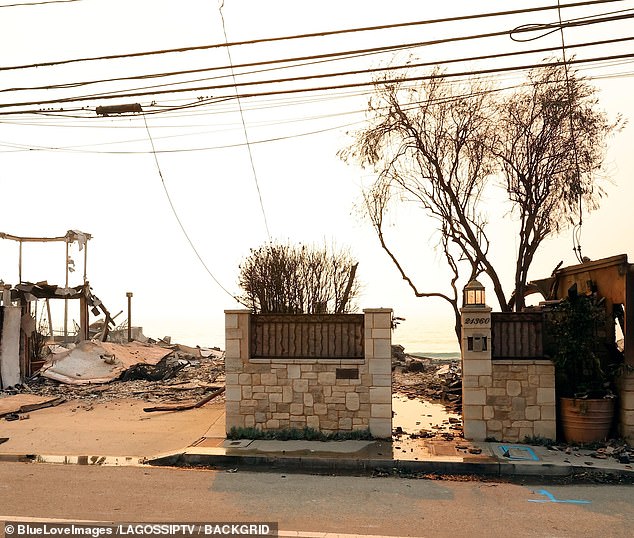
(308, 35)
(443, 61)
(133, 95)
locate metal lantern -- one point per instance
(474, 294)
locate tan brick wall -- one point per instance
(627, 405)
(272, 394)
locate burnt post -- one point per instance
(129, 296)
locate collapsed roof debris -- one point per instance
(99, 362)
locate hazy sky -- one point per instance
(70, 169)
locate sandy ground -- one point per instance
(116, 427)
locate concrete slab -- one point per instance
(118, 427)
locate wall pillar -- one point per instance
(378, 354)
(237, 324)
(476, 369)
(10, 346)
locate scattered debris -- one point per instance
(24, 403)
(185, 407)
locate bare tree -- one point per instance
(430, 144)
(551, 142)
(440, 144)
(282, 278)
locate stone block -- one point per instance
(471, 381)
(380, 380)
(380, 395)
(297, 409)
(273, 388)
(475, 430)
(382, 320)
(533, 412)
(352, 401)
(233, 393)
(231, 321)
(275, 397)
(495, 391)
(345, 424)
(320, 409)
(233, 348)
(549, 412)
(381, 428)
(533, 380)
(247, 392)
(312, 421)
(477, 366)
(383, 349)
(232, 379)
(272, 424)
(249, 421)
(546, 396)
(281, 416)
(381, 366)
(547, 381)
(326, 378)
(545, 428)
(384, 334)
(485, 381)
(233, 365)
(234, 334)
(300, 385)
(472, 412)
(233, 421)
(260, 417)
(494, 425)
(513, 388)
(294, 371)
(381, 411)
(474, 396)
(244, 379)
(308, 399)
(522, 424)
(368, 348)
(487, 412)
(268, 379)
(287, 394)
(526, 432)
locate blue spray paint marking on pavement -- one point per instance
(514, 452)
(551, 499)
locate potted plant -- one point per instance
(584, 373)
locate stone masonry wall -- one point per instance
(271, 394)
(516, 401)
(506, 400)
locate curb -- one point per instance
(359, 466)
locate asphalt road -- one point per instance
(353, 505)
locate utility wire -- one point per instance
(309, 35)
(269, 62)
(180, 223)
(244, 125)
(290, 91)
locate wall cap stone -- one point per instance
(520, 362)
(376, 310)
(240, 311)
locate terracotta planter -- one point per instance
(586, 420)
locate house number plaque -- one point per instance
(471, 321)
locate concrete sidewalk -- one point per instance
(119, 432)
